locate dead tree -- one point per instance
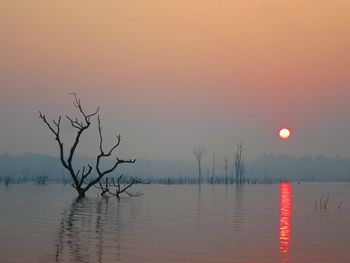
(226, 169)
(81, 182)
(42, 179)
(239, 163)
(212, 180)
(118, 188)
(7, 180)
(199, 153)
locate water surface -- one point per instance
(176, 223)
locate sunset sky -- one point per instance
(174, 75)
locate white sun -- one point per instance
(284, 133)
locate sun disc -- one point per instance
(284, 133)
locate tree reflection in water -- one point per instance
(90, 227)
(239, 210)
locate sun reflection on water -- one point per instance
(285, 210)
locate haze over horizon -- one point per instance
(170, 76)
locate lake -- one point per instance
(177, 223)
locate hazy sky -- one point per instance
(173, 75)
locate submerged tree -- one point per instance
(212, 179)
(239, 163)
(199, 153)
(118, 187)
(226, 169)
(81, 180)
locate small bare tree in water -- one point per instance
(239, 163)
(226, 159)
(118, 187)
(199, 153)
(81, 180)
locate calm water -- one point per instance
(177, 223)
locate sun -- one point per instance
(284, 133)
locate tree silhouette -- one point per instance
(239, 163)
(81, 177)
(199, 153)
(226, 159)
(118, 187)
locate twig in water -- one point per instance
(340, 203)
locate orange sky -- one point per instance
(172, 75)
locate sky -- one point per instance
(174, 75)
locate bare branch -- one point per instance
(93, 114)
(55, 132)
(100, 133)
(115, 146)
(77, 104)
(119, 161)
(102, 153)
(75, 123)
(57, 136)
(84, 175)
(57, 124)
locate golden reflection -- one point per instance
(285, 210)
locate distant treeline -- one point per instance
(268, 168)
